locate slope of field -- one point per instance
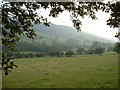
(87, 71)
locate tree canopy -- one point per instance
(80, 51)
(117, 47)
(99, 51)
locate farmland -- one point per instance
(79, 71)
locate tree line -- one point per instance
(58, 46)
(95, 48)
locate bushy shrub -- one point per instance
(99, 51)
(89, 51)
(80, 51)
(56, 53)
(31, 55)
(19, 55)
(69, 53)
(39, 54)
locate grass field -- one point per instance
(65, 72)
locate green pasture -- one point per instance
(86, 71)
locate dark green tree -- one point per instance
(53, 53)
(89, 51)
(95, 45)
(69, 53)
(117, 48)
(80, 51)
(109, 49)
(56, 53)
(40, 55)
(99, 51)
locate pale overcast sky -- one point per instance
(97, 27)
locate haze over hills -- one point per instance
(63, 33)
(60, 37)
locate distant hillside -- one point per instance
(63, 33)
(59, 37)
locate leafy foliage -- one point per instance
(69, 53)
(7, 64)
(80, 51)
(117, 47)
(114, 20)
(17, 18)
(99, 50)
(56, 53)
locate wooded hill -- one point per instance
(59, 37)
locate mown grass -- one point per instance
(87, 71)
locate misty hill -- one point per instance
(63, 33)
(59, 37)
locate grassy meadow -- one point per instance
(85, 71)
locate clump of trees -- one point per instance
(99, 51)
(117, 47)
(80, 51)
(69, 53)
(94, 49)
(23, 55)
(40, 54)
(56, 53)
(89, 51)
